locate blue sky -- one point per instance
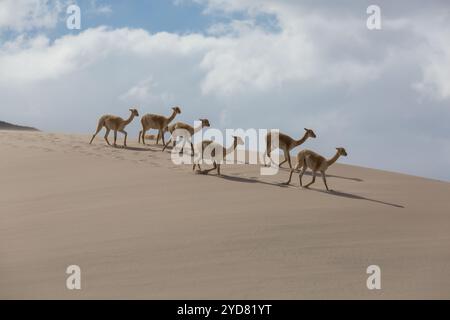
(182, 16)
(285, 64)
(154, 16)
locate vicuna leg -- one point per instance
(93, 137)
(213, 168)
(286, 158)
(324, 178)
(313, 180)
(106, 136)
(115, 138)
(182, 148)
(292, 172)
(300, 176)
(270, 159)
(143, 132)
(161, 132)
(99, 128)
(125, 139)
(268, 151)
(165, 146)
(198, 164)
(160, 135)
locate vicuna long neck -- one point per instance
(302, 140)
(197, 129)
(231, 148)
(174, 114)
(334, 159)
(130, 118)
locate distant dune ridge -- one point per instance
(140, 226)
(9, 126)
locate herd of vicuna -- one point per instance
(305, 158)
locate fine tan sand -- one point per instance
(141, 227)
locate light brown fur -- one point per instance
(188, 128)
(116, 124)
(286, 144)
(310, 159)
(214, 146)
(160, 123)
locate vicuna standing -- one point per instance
(216, 157)
(310, 159)
(286, 144)
(160, 123)
(116, 124)
(181, 126)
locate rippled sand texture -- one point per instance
(141, 227)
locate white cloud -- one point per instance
(436, 65)
(147, 91)
(28, 60)
(313, 70)
(100, 8)
(22, 15)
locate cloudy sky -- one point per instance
(287, 64)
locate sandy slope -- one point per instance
(141, 227)
(9, 126)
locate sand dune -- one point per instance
(141, 227)
(10, 126)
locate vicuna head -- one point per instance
(134, 112)
(238, 141)
(342, 152)
(176, 110)
(310, 133)
(205, 123)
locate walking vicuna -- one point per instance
(117, 124)
(286, 144)
(160, 123)
(310, 159)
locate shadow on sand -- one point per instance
(308, 173)
(332, 192)
(248, 180)
(354, 196)
(142, 149)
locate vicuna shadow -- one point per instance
(120, 147)
(141, 149)
(334, 193)
(356, 197)
(308, 173)
(244, 180)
